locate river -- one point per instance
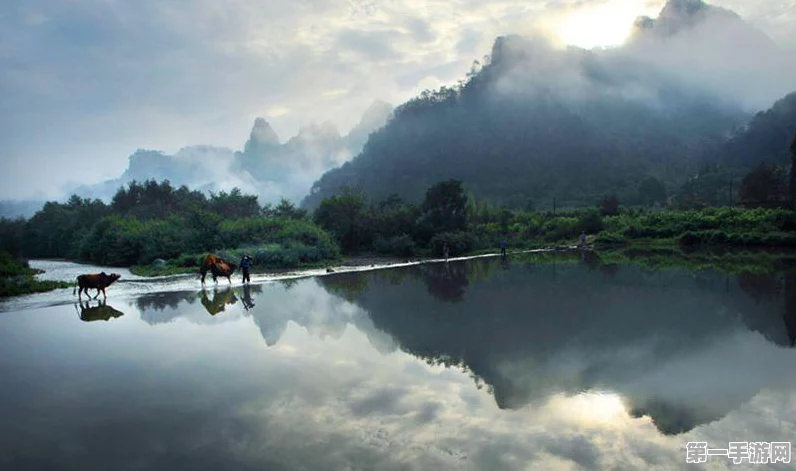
(546, 362)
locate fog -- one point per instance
(88, 85)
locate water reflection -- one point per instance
(546, 326)
(101, 312)
(248, 301)
(221, 299)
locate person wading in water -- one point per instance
(245, 265)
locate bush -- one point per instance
(401, 245)
(610, 238)
(459, 243)
(591, 222)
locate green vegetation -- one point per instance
(16, 278)
(159, 230)
(165, 230)
(471, 226)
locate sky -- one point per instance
(87, 82)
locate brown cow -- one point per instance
(217, 266)
(98, 281)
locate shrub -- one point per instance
(459, 243)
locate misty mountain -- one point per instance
(538, 123)
(766, 138)
(13, 209)
(265, 167)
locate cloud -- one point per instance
(87, 82)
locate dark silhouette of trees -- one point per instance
(763, 187)
(651, 191)
(343, 217)
(445, 207)
(609, 205)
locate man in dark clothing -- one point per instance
(503, 248)
(245, 265)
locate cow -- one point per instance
(217, 266)
(98, 281)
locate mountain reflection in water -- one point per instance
(530, 328)
(546, 361)
(539, 329)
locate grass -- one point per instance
(18, 278)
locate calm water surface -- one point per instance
(556, 363)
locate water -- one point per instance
(528, 364)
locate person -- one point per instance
(503, 248)
(583, 238)
(445, 250)
(245, 265)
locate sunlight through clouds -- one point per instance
(91, 73)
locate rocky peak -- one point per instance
(263, 133)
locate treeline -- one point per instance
(150, 220)
(449, 215)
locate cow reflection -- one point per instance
(221, 298)
(100, 312)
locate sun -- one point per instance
(604, 26)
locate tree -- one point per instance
(763, 187)
(286, 209)
(343, 217)
(609, 205)
(445, 207)
(651, 191)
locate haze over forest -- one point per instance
(532, 121)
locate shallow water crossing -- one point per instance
(546, 361)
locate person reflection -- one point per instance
(248, 303)
(504, 262)
(100, 312)
(221, 298)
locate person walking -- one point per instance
(445, 250)
(503, 246)
(583, 238)
(245, 265)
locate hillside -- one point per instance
(765, 139)
(538, 123)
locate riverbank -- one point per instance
(17, 278)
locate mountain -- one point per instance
(288, 170)
(766, 138)
(200, 167)
(538, 123)
(13, 209)
(265, 166)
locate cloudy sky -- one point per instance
(87, 82)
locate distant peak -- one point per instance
(680, 15)
(262, 133)
(684, 7)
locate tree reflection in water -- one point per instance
(517, 326)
